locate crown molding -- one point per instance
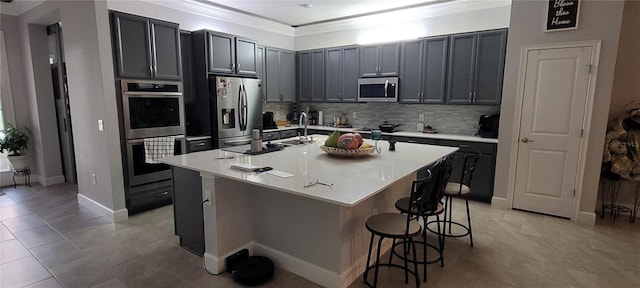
(200, 7)
(417, 13)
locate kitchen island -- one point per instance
(316, 232)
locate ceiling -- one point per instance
(18, 7)
(291, 12)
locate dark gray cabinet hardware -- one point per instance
(423, 70)
(279, 75)
(228, 54)
(381, 60)
(476, 67)
(146, 48)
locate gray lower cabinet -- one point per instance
(228, 54)
(146, 48)
(341, 80)
(279, 75)
(423, 70)
(288, 133)
(381, 60)
(476, 67)
(187, 209)
(268, 136)
(311, 67)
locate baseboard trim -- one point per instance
(51, 180)
(300, 267)
(120, 215)
(216, 266)
(588, 218)
(500, 203)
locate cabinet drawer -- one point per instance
(268, 136)
(199, 145)
(288, 134)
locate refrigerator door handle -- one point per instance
(240, 117)
(246, 107)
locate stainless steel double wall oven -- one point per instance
(150, 109)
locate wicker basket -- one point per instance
(347, 153)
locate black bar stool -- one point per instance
(430, 205)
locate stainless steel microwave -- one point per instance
(378, 89)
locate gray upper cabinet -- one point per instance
(423, 70)
(341, 77)
(380, 60)
(187, 67)
(280, 75)
(146, 48)
(260, 69)
(228, 54)
(476, 67)
(311, 69)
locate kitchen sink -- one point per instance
(295, 142)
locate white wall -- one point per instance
(192, 21)
(599, 20)
(86, 40)
(349, 32)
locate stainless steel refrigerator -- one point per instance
(237, 109)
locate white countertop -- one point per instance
(398, 133)
(353, 179)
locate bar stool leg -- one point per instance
(366, 270)
(424, 249)
(375, 280)
(469, 221)
(415, 264)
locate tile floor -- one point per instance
(48, 240)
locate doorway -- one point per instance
(556, 91)
(61, 95)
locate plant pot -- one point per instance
(19, 162)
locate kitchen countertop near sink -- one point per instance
(397, 133)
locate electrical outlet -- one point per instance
(93, 178)
(421, 117)
(374, 211)
(277, 114)
(100, 125)
(355, 115)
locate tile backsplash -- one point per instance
(450, 119)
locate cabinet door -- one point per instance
(166, 47)
(435, 70)
(133, 46)
(187, 64)
(272, 75)
(411, 73)
(221, 53)
(489, 66)
(287, 76)
(187, 209)
(305, 81)
(389, 62)
(461, 59)
(369, 61)
(317, 76)
(350, 74)
(333, 78)
(482, 180)
(260, 70)
(246, 61)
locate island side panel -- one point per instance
(354, 235)
(227, 220)
(300, 234)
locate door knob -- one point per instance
(526, 140)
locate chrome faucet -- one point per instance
(304, 116)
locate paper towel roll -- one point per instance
(256, 134)
(256, 145)
(320, 118)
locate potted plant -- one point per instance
(15, 142)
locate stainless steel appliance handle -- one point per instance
(386, 88)
(246, 107)
(152, 94)
(240, 106)
(140, 141)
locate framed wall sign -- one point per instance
(562, 15)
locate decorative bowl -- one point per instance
(347, 153)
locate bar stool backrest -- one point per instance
(433, 190)
(468, 167)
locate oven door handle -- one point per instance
(141, 140)
(151, 94)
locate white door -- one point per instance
(553, 107)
